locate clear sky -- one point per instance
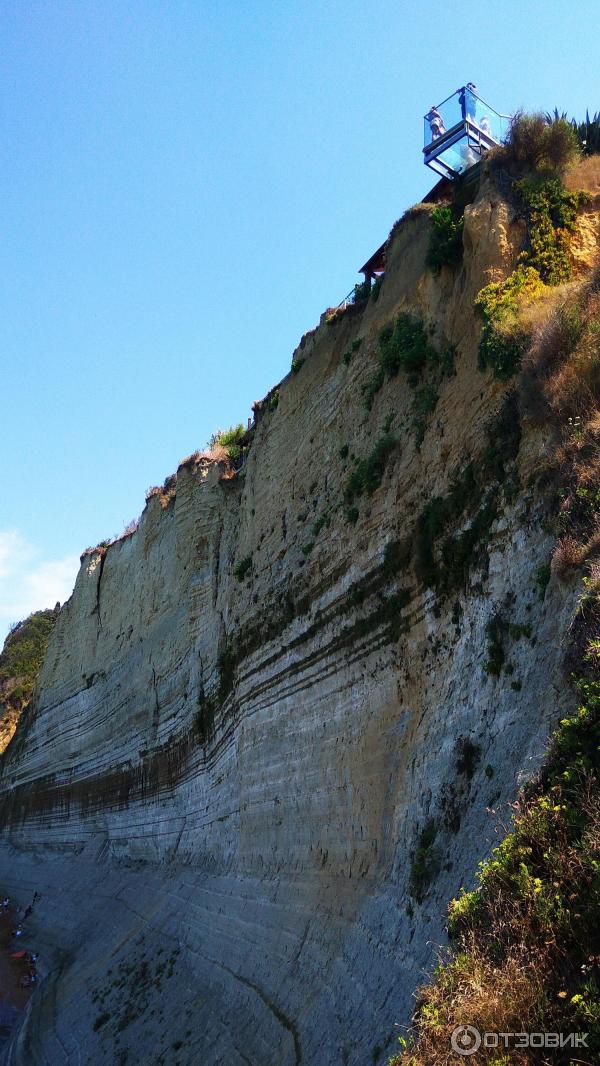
(185, 186)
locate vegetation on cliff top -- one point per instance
(229, 440)
(22, 657)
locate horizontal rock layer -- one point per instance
(222, 787)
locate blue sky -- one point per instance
(185, 187)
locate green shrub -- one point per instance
(551, 212)
(496, 631)
(425, 865)
(229, 439)
(446, 361)
(404, 345)
(436, 516)
(368, 474)
(321, 521)
(588, 133)
(501, 299)
(297, 365)
(541, 887)
(445, 242)
(504, 340)
(468, 755)
(460, 552)
(372, 387)
(502, 351)
(25, 646)
(22, 658)
(307, 548)
(376, 289)
(361, 293)
(343, 452)
(542, 577)
(243, 567)
(425, 400)
(533, 143)
(274, 400)
(352, 515)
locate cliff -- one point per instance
(272, 721)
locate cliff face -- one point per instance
(246, 802)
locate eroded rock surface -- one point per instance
(223, 784)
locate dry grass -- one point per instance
(590, 549)
(573, 392)
(165, 492)
(560, 379)
(585, 175)
(216, 453)
(533, 942)
(571, 554)
(566, 556)
(473, 991)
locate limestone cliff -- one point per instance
(260, 709)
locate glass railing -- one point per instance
(465, 108)
(456, 158)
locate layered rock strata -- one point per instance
(222, 790)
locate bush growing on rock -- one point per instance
(445, 243)
(534, 143)
(368, 474)
(229, 439)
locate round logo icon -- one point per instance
(465, 1040)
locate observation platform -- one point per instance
(459, 131)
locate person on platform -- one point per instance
(436, 123)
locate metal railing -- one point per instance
(347, 301)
